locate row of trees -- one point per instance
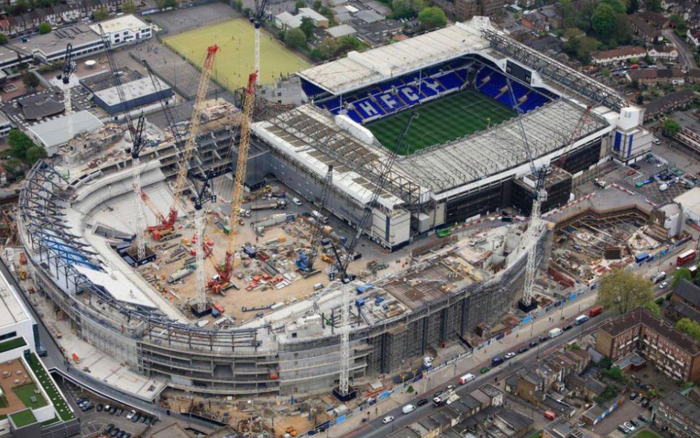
(23, 152)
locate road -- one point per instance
(685, 54)
(376, 429)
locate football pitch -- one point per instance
(441, 120)
(236, 57)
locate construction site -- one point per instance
(258, 253)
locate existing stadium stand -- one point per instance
(416, 88)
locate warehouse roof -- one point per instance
(341, 31)
(359, 70)
(119, 24)
(40, 105)
(690, 200)
(11, 310)
(55, 132)
(132, 90)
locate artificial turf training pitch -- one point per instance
(236, 57)
(441, 120)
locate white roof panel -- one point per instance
(359, 70)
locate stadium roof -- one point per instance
(470, 162)
(359, 70)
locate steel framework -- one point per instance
(558, 72)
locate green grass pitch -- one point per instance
(441, 120)
(236, 57)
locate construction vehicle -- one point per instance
(190, 143)
(305, 262)
(275, 204)
(225, 270)
(291, 431)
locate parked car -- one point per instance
(408, 409)
(135, 418)
(567, 327)
(422, 402)
(543, 339)
(109, 427)
(533, 344)
(522, 350)
(623, 429)
(634, 423)
(100, 407)
(119, 412)
(388, 419)
(663, 285)
(485, 370)
(509, 355)
(633, 395)
(296, 201)
(131, 414)
(629, 426)
(113, 410)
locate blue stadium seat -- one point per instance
(368, 109)
(410, 95)
(451, 81)
(354, 116)
(332, 105)
(390, 103)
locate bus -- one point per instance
(597, 310)
(641, 257)
(686, 257)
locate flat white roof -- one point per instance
(341, 31)
(11, 310)
(55, 132)
(132, 90)
(294, 21)
(117, 285)
(359, 70)
(690, 200)
(119, 24)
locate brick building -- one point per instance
(685, 302)
(678, 415)
(667, 349)
(466, 9)
(673, 76)
(668, 103)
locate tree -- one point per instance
(609, 393)
(4, 39)
(103, 13)
(166, 4)
(239, 5)
(44, 28)
(307, 26)
(14, 166)
(432, 17)
(653, 5)
(617, 5)
(298, 5)
(653, 308)
(633, 6)
(406, 8)
(129, 7)
(318, 5)
(605, 363)
(295, 38)
(615, 373)
(689, 327)
(681, 25)
(670, 128)
(30, 80)
(568, 12)
(640, 99)
(681, 274)
(19, 144)
(34, 154)
(623, 290)
(603, 21)
(623, 29)
(605, 73)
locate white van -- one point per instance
(408, 409)
(555, 332)
(466, 378)
(663, 187)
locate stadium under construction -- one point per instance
(71, 223)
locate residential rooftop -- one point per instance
(11, 310)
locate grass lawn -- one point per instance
(646, 434)
(236, 57)
(442, 120)
(23, 418)
(49, 386)
(12, 344)
(537, 434)
(26, 392)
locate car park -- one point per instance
(388, 419)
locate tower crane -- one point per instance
(256, 19)
(540, 196)
(344, 377)
(189, 146)
(241, 168)
(68, 69)
(201, 197)
(379, 186)
(137, 143)
(304, 262)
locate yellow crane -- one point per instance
(241, 167)
(190, 145)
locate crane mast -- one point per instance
(200, 304)
(256, 19)
(304, 262)
(190, 142)
(241, 167)
(67, 72)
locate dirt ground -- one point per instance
(183, 291)
(10, 381)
